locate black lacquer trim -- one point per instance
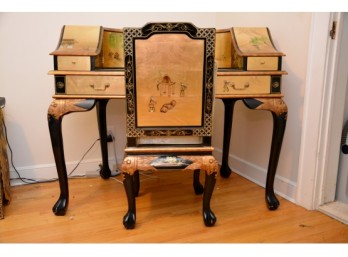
(151, 28)
(59, 84)
(93, 62)
(275, 80)
(55, 62)
(245, 63)
(279, 63)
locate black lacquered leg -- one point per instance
(130, 217)
(56, 111)
(55, 128)
(136, 183)
(279, 113)
(208, 216)
(279, 124)
(105, 171)
(225, 170)
(197, 186)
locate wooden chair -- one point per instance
(169, 74)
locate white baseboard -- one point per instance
(282, 186)
(45, 172)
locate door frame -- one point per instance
(323, 115)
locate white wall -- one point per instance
(28, 38)
(252, 130)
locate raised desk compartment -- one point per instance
(88, 48)
(247, 49)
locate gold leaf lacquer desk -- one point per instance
(82, 99)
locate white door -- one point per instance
(326, 88)
(342, 177)
(334, 182)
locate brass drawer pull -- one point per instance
(246, 85)
(100, 87)
(232, 84)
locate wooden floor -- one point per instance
(167, 212)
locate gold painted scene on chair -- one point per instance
(169, 81)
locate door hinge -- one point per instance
(333, 30)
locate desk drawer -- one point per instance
(262, 63)
(74, 63)
(243, 85)
(94, 85)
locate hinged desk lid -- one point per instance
(249, 41)
(79, 41)
(248, 49)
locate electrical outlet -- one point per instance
(109, 138)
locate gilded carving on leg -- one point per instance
(60, 107)
(133, 163)
(205, 163)
(276, 105)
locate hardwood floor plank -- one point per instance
(168, 211)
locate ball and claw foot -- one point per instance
(225, 171)
(59, 209)
(129, 220)
(272, 201)
(105, 173)
(209, 218)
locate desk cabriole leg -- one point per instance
(279, 112)
(279, 124)
(225, 170)
(56, 111)
(105, 171)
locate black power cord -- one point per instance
(34, 181)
